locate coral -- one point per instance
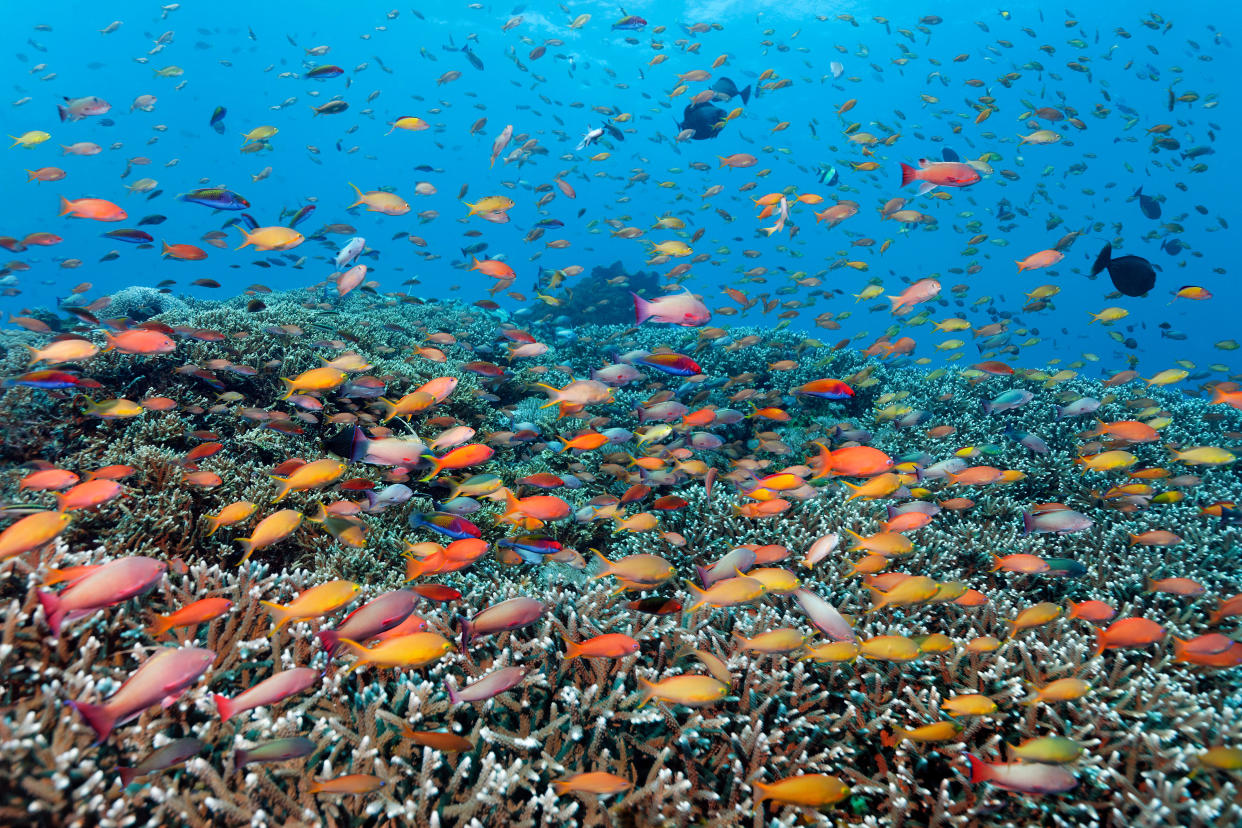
(1144, 723)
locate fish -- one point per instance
(1131, 275)
(727, 90)
(702, 120)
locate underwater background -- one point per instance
(601, 425)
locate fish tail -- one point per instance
(289, 387)
(649, 691)
(454, 697)
(607, 565)
(214, 521)
(127, 775)
(97, 716)
(65, 207)
(908, 174)
(247, 546)
(329, 640)
(358, 651)
(360, 200)
(880, 599)
(225, 705)
(159, 626)
(284, 490)
(642, 309)
(279, 613)
(51, 604)
(436, 467)
(572, 648)
(699, 594)
(555, 395)
(165, 249)
(978, 769)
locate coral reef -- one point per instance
(1144, 724)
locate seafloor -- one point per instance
(1144, 723)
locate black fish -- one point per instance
(1132, 275)
(1172, 246)
(726, 89)
(705, 119)
(473, 58)
(1149, 205)
(950, 155)
(217, 119)
(154, 218)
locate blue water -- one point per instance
(240, 56)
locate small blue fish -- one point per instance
(217, 197)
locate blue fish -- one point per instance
(217, 197)
(448, 525)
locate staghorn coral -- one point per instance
(1143, 724)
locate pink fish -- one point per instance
(75, 109)
(493, 684)
(350, 279)
(272, 689)
(377, 616)
(920, 291)
(161, 678)
(507, 615)
(933, 174)
(1022, 777)
(684, 309)
(110, 584)
(824, 616)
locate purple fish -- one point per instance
(160, 679)
(161, 759)
(277, 750)
(274, 688)
(372, 618)
(110, 584)
(1060, 521)
(824, 616)
(493, 684)
(507, 615)
(739, 559)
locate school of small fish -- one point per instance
(337, 552)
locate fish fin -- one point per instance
(128, 775)
(329, 640)
(224, 705)
(97, 716)
(908, 174)
(978, 769)
(159, 626)
(279, 613)
(65, 207)
(649, 691)
(925, 187)
(50, 602)
(572, 648)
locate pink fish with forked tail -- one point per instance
(272, 689)
(507, 615)
(683, 309)
(160, 679)
(106, 586)
(920, 291)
